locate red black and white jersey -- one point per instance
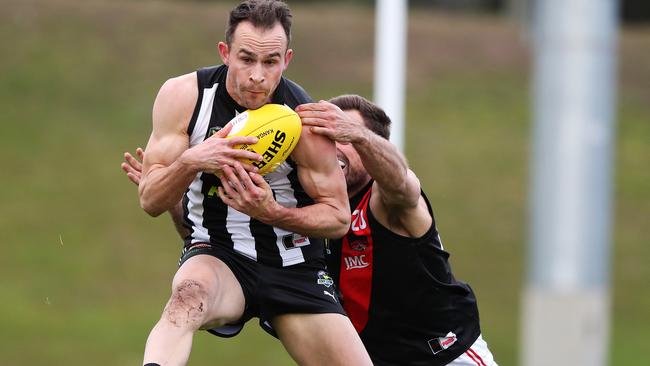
(212, 221)
(400, 293)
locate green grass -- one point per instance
(85, 273)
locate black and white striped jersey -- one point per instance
(212, 221)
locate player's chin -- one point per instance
(255, 100)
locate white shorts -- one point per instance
(477, 355)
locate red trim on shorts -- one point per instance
(472, 358)
(475, 357)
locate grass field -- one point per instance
(84, 272)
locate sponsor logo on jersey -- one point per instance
(292, 241)
(357, 261)
(324, 279)
(214, 190)
(440, 344)
(358, 243)
(214, 130)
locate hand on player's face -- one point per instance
(327, 119)
(132, 166)
(246, 192)
(218, 151)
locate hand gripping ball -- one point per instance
(277, 128)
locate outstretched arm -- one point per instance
(396, 199)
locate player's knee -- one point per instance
(188, 304)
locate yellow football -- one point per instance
(277, 128)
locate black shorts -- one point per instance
(304, 288)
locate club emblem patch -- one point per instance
(358, 243)
(324, 279)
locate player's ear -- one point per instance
(287, 58)
(223, 52)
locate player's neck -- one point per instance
(358, 188)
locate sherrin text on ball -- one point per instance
(277, 128)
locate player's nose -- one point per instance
(257, 74)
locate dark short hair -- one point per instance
(262, 14)
(374, 117)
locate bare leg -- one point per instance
(321, 339)
(204, 293)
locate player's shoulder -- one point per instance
(293, 93)
(180, 85)
(179, 92)
(175, 101)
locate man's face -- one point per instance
(256, 60)
(355, 173)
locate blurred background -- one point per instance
(85, 272)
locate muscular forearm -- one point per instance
(320, 220)
(382, 160)
(163, 187)
(387, 167)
